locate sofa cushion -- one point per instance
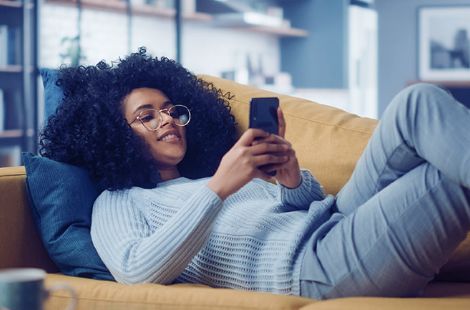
(53, 94)
(62, 198)
(111, 295)
(94, 294)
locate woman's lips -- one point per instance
(170, 138)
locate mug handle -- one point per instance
(64, 287)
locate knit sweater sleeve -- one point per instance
(135, 254)
(303, 195)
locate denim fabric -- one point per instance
(406, 206)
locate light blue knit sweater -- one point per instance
(181, 231)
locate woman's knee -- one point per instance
(426, 94)
(419, 98)
(423, 88)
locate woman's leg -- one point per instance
(422, 124)
(393, 244)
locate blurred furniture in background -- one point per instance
(18, 79)
(460, 91)
(340, 53)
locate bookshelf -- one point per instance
(170, 13)
(12, 4)
(18, 79)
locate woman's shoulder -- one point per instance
(107, 194)
(121, 197)
(123, 204)
(129, 196)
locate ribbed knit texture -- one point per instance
(181, 231)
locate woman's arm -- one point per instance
(135, 254)
(309, 190)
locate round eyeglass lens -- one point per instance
(181, 114)
(150, 118)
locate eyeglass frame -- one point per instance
(166, 111)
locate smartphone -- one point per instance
(263, 114)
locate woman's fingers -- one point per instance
(272, 139)
(272, 167)
(250, 135)
(282, 122)
(269, 159)
(262, 148)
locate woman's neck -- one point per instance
(169, 173)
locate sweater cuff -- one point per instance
(208, 196)
(308, 190)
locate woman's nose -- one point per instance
(166, 118)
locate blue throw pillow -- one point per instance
(53, 94)
(62, 199)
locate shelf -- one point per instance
(11, 69)
(11, 137)
(14, 133)
(281, 31)
(15, 4)
(11, 4)
(148, 10)
(18, 77)
(119, 6)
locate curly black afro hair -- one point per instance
(89, 129)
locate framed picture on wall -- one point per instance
(444, 43)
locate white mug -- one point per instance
(23, 289)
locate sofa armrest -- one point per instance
(20, 243)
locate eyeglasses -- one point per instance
(152, 118)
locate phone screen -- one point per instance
(263, 114)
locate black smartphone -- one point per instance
(263, 114)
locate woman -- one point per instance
(187, 202)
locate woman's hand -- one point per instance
(241, 163)
(287, 173)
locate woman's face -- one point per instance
(168, 142)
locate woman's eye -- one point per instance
(146, 118)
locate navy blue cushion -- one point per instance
(53, 94)
(62, 199)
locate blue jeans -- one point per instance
(406, 206)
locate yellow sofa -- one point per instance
(342, 137)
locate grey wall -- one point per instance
(398, 44)
(320, 59)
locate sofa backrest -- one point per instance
(20, 243)
(328, 141)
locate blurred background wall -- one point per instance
(398, 44)
(351, 54)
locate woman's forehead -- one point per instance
(148, 97)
